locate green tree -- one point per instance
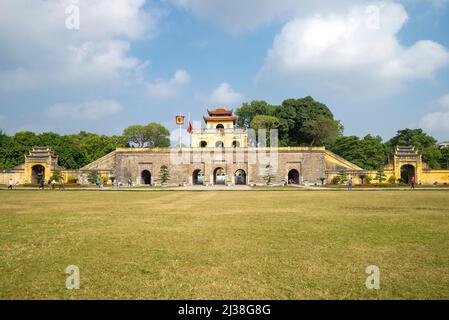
(248, 111)
(369, 153)
(152, 135)
(292, 116)
(164, 174)
(265, 122)
(423, 143)
(444, 161)
(380, 175)
(298, 112)
(320, 131)
(57, 176)
(135, 135)
(342, 176)
(92, 176)
(157, 136)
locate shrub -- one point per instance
(368, 179)
(164, 174)
(72, 179)
(392, 180)
(92, 176)
(336, 180)
(380, 175)
(342, 176)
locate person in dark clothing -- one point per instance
(412, 182)
(41, 183)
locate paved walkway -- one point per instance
(227, 188)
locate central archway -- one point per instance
(293, 177)
(37, 173)
(198, 177)
(146, 177)
(219, 144)
(240, 177)
(407, 173)
(219, 176)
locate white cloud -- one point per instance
(224, 96)
(350, 52)
(243, 15)
(41, 52)
(90, 110)
(438, 122)
(169, 88)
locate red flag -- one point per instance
(190, 128)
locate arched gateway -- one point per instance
(146, 177)
(37, 173)
(219, 176)
(293, 177)
(198, 178)
(240, 177)
(407, 173)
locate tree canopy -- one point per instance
(369, 153)
(298, 120)
(75, 150)
(424, 143)
(152, 135)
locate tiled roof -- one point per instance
(219, 112)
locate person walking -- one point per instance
(61, 184)
(10, 184)
(350, 184)
(53, 184)
(42, 183)
(412, 182)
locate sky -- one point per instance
(380, 66)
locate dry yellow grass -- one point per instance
(224, 245)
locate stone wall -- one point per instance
(130, 163)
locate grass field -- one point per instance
(224, 245)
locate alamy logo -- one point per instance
(373, 280)
(72, 11)
(73, 280)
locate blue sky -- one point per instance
(379, 65)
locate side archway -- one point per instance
(198, 177)
(293, 176)
(146, 177)
(240, 177)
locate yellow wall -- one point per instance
(211, 135)
(432, 176)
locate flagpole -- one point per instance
(190, 133)
(180, 133)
